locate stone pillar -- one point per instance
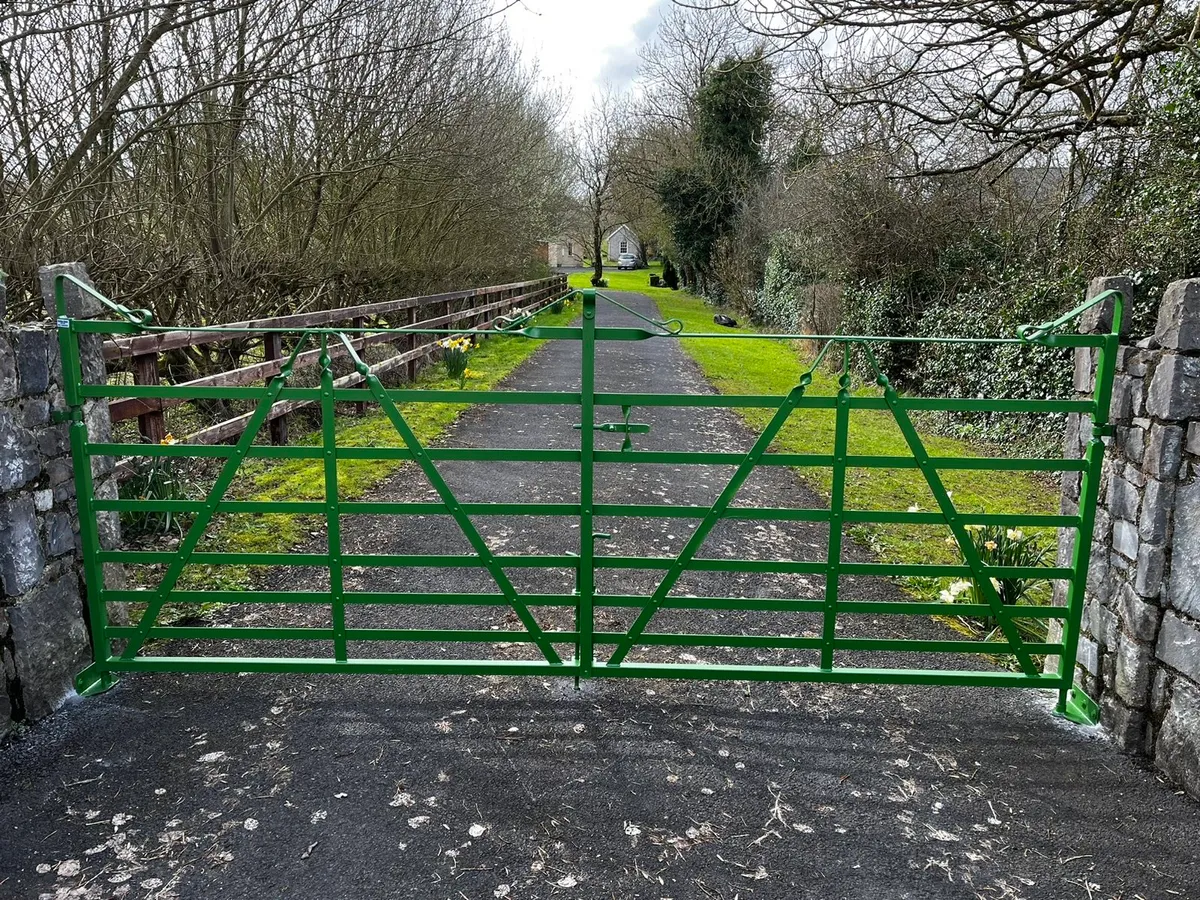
(44, 640)
(1139, 652)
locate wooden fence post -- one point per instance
(411, 344)
(360, 406)
(273, 349)
(151, 425)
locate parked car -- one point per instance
(627, 261)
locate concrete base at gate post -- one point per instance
(1139, 651)
(44, 638)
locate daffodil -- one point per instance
(169, 439)
(1014, 534)
(991, 545)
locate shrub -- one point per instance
(598, 281)
(670, 275)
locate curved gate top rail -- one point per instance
(582, 648)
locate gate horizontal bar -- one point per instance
(451, 561)
(396, 561)
(614, 510)
(358, 666)
(362, 598)
(845, 607)
(848, 675)
(771, 401)
(626, 601)
(267, 451)
(784, 642)
(718, 457)
(399, 395)
(269, 633)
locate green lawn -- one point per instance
(775, 367)
(628, 280)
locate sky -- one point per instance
(582, 44)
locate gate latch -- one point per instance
(626, 427)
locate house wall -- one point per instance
(626, 234)
(565, 253)
(1139, 650)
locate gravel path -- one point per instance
(361, 787)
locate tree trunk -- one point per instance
(597, 255)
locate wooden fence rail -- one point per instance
(474, 308)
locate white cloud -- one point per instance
(581, 44)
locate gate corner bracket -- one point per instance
(1078, 707)
(93, 680)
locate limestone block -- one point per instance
(80, 305)
(33, 360)
(1125, 538)
(1123, 499)
(1135, 667)
(1098, 319)
(1151, 563)
(1179, 646)
(1178, 749)
(1140, 618)
(1164, 450)
(51, 644)
(1183, 587)
(1154, 517)
(1174, 391)
(8, 368)
(21, 557)
(1179, 316)
(19, 462)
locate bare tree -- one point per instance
(600, 143)
(1021, 76)
(219, 160)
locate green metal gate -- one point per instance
(584, 650)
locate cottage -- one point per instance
(563, 252)
(622, 239)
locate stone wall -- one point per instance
(1139, 652)
(44, 639)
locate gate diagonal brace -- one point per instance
(200, 524)
(486, 557)
(714, 515)
(950, 513)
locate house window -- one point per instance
(624, 246)
(570, 249)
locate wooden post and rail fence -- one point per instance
(476, 308)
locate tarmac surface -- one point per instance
(265, 786)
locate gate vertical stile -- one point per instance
(837, 511)
(97, 677)
(333, 523)
(1082, 708)
(584, 612)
